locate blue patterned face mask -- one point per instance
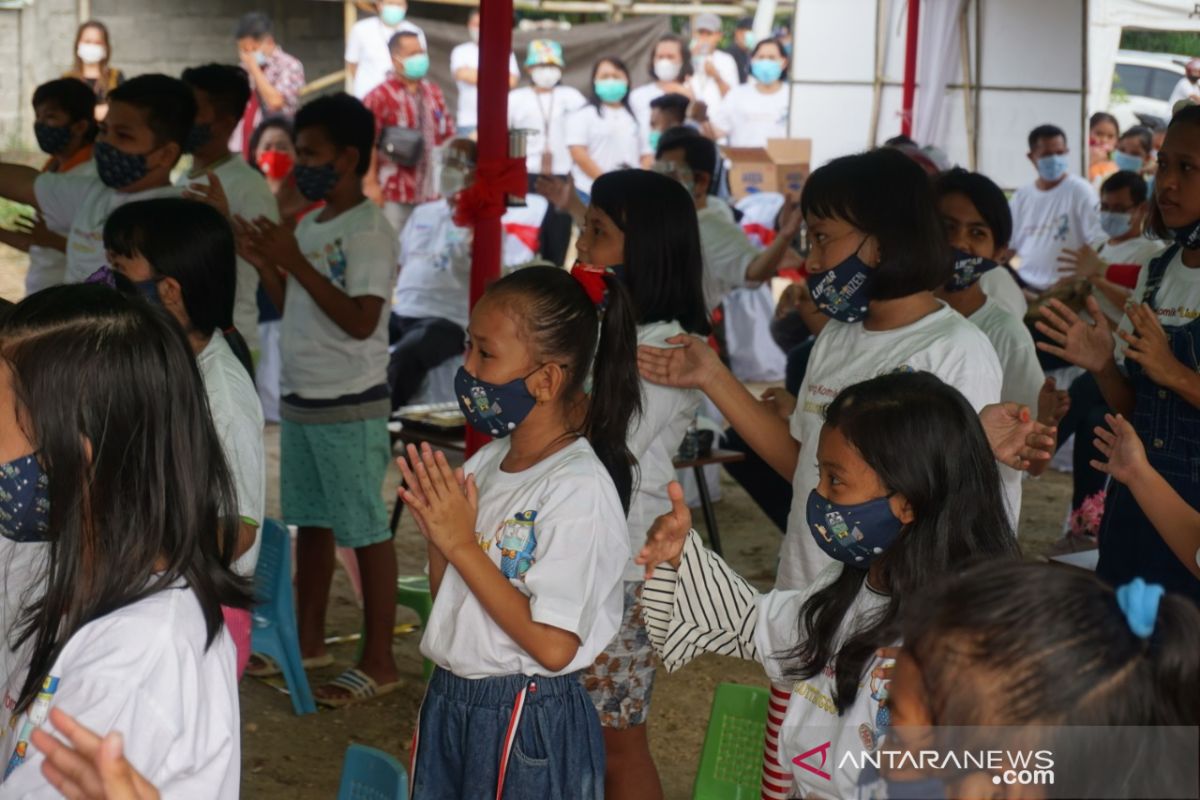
(967, 270)
(24, 501)
(315, 183)
(843, 292)
(117, 168)
(490, 408)
(855, 535)
(52, 139)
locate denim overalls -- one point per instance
(1169, 427)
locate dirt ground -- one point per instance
(300, 757)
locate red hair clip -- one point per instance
(591, 278)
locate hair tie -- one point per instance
(591, 278)
(1139, 602)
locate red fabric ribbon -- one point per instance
(494, 178)
(1124, 274)
(592, 280)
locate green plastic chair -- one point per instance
(412, 591)
(731, 762)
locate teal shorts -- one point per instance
(332, 475)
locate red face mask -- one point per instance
(276, 164)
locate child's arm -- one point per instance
(437, 562)
(1176, 522)
(357, 316)
(16, 183)
(767, 263)
(447, 515)
(693, 364)
(1149, 347)
(87, 766)
(249, 247)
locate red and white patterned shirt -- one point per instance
(425, 109)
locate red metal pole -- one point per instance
(910, 66)
(495, 43)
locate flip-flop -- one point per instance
(359, 687)
(270, 667)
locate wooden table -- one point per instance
(454, 441)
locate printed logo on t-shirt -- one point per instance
(1057, 229)
(34, 717)
(332, 262)
(518, 543)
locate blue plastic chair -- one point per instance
(274, 633)
(370, 774)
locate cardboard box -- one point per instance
(781, 166)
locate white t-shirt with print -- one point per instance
(81, 204)
(356, 251)
(1046, 222)
(812, 709)
(1138, 250)
(1177, 301)
(726, 249)
(610, 136)
(467, 55)
(143, 670)
(435, 266)
(1023, 378)
(654, 439)
(942, 343)
(249, 198)
(238, 417)
(368, 48)
(705, 87)
(47, 266)
(749, 117)
(534, 112)
(557, 532)
(999, 285)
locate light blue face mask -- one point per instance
(766, 71)
(751, 40)
(611, 90)
(416, 66)
(1126, 162)
(392, 15)
(1116, 223)
(1051, 168)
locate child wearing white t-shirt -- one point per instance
(119, 624)
(908, 492)
(527, 543)
(197, 285)
(143, 136)
(603, 135)
(340, 266)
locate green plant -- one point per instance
(1187, 44)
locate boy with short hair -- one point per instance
(1056, 211)
(64, 124)
(340, 266)
(138, 144)
(221, 93)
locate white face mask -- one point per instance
(453, 180)
(545, 77)
(667, 70)
(474, 34)
(90, 53)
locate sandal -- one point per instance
(358, 687)
(269, 667)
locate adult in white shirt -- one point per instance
(542, 109)
(1187, 88)
(1124, 208)
(716, 71)
(756, 111)
(730, 260)
(368, 59)
(221, 93)
(603, 135)
(464, 65)
(978, 226)
(670, 73)
(1056, 211)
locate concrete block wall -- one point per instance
(150, 36)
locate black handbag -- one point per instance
(404, 146)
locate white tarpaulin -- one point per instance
(1108, 17)
(1025, 67)
(1027, 62)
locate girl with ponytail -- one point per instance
(527, 543)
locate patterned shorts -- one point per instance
(622, 678)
